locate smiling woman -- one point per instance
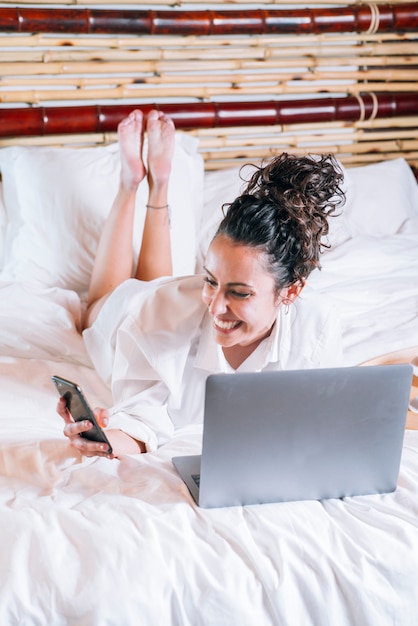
(157, 341)
(239, 290)
(266, 246)
(240, 296)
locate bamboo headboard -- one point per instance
(248, 82)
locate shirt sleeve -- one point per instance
(142, 352)
(311, 335)
(140, 396)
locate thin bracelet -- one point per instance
(165, 206)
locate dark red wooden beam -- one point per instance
(357, 18)
(34, 121)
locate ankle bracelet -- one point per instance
(164, 206)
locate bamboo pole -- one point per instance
(65, 119)
(77, 141)
(366, 54)
(213, 22)
(180, 3)
(208, 137)
(201, 93)
(215, 165)
(358, 160)
(254, 152)
(274, 129)
(190, 41)
(233, 80)
(189, 68)
(398, 122)
(216, 162)
(24, 63)
(296, 140)
(355, 140)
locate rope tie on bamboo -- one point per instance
(374, 18)
(375, 105)
(362, 107)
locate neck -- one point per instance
(236, 355)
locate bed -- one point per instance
(121, 542)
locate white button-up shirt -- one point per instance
(154, 345)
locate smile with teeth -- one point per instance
(226, 324)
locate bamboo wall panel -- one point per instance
(253, 79)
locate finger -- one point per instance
(91, 448)
(72, 429)
(102, 417)
(63, 411)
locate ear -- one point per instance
(289, 294)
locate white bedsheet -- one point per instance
(121, 543)
(374, 281)
(92, 541)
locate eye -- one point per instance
(240, 294)
(209, 281)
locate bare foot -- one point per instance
(130, 137)
(161, 137)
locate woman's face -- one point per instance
(240, 293)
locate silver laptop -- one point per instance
(299, 435)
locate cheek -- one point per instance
(262, 315)
(245, 312)
(205, 296)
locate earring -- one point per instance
(286, 309)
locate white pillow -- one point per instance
(383, 196)
(381, 199)
(220, 187)
(58, 198)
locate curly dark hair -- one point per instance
(284, 211)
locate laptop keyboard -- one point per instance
(196, 478)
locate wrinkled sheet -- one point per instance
(374, 282)
(121, 543)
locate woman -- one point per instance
(156, 342)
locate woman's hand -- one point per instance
(120, 441)
(73, 430)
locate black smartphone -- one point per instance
(80, 410)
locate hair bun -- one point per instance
(284, 211)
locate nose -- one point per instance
(218, 304)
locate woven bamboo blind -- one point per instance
(361, 53)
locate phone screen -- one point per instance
(79, 409)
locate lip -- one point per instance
(227, 326)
